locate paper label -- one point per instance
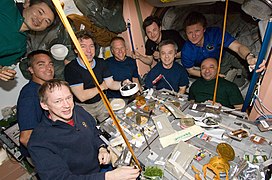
(159, 125)
(264, 123)
(183, 135)
(257, 139)
(194, 106)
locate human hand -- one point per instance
(66, 61)
(261, 66)
(215, 104)
(26, 3)
(156, 55)
(135, 55)
(125, 82)
(104, 156)
(7, 74)
(123, 173)
(252, 60)
(103, 86)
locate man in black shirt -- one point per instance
(155, 34)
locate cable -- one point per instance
(259, 111)
(262, 104)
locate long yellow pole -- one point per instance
(87, 64)
(221, 52)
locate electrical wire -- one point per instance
(262, 105)
(260, 112)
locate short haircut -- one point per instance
(115, 39)
(82, 34)
(50, 5)
(194, 18)
(50, 86)
(31, 55)
(166, 42)
(149, 20)
(215, 60)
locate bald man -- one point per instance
(228, 93)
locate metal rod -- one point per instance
(261, 56)
(69, 29)
(142, 131)
(221, 53)
(130, 35)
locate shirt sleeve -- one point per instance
(92, 121)
(148, 80)
(28, 112)
(228, 39)
(135, 69)
(105, 70)
(186, 59)
(191, 93)
(149, 48)
(178, 39)
(72, 76)
(50, 165)
(184, 80)
(235, 96)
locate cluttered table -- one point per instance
(178, 139)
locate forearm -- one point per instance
(148, 60)
(6, 74)
(84, 95)
(114, 85)
(49, 170)
(194, 72)
(178, 55)
(243, 52)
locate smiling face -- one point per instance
(208, 69)
(88, 48)
(153, 32)
(38, 17)
(195, 34)
(59, 103)
(118, 49)
(167, 54)
(42, 68)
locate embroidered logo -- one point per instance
(84, 124)
(210, 47)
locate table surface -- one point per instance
(227, 122)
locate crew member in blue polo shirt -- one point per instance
(121, 66)
(205, 43)
(29, 111)
(167, 73)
